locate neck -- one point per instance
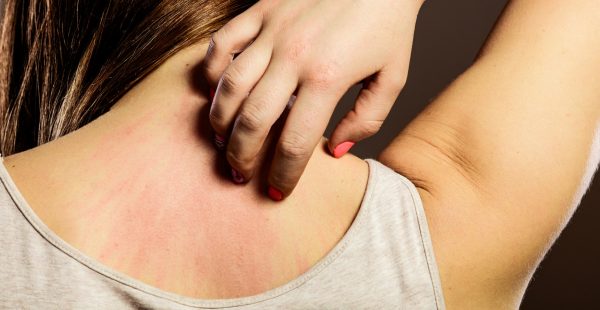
(141, 190)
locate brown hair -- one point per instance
(64, 63)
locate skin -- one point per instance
(142, 190)
(315, 49)
(501, 159)
(503, 156)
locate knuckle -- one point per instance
(295, 50)
(212, 43)
(282, 180)
(220, 41)
(218, 38)
(371, 127)
(215, 118)
(241, 161)
(235, 159)
(209, 70)
(209, 65)
(323, 75)
(210, 52)
(230, 81)
(294, 148)
(250, 119)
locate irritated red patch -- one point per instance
(172, 233)
(163, 222)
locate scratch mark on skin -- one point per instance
(158, 211)
(160, 227)
(302, 263)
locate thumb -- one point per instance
(372, 107)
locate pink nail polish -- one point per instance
(237, 177)
(219, 142)
(275, 194)
(342, 149)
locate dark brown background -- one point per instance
(448, 36)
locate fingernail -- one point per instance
(238, 178)
(212, 94)
(291, 101)
(219, 142)
(342, 149)
(275, 194)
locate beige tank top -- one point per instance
(384, 261)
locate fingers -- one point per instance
(259, 112)
(370, 111)
(231, 39)
(302, 132)
(236, 83)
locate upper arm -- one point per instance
(504, 155)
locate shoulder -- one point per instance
(473, 270)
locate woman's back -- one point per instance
(139, 191)
(483, 156)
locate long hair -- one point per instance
(63, 63)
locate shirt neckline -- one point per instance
(138, 285)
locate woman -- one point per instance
(130, 210)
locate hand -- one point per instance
(316, 49)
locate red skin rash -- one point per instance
(161, 224)
(302, 263)
(137, 190)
